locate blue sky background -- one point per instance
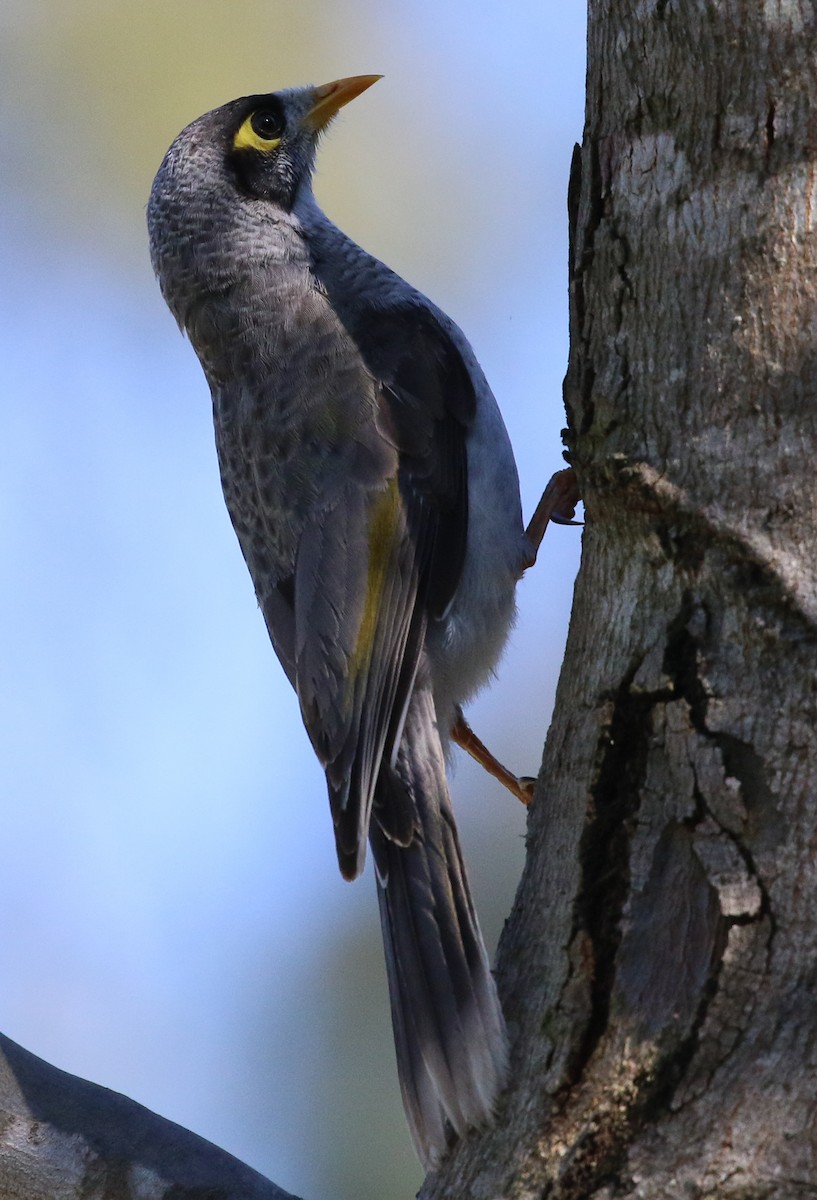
(172, 923)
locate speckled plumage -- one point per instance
(372, 487)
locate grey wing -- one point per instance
(359, 630)
(417, 537)
(336, 572)
(378, 552)
(427, 406)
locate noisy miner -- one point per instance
(372, 486)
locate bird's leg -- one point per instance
(464, 736)
(558, 504)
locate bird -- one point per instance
(370, 480)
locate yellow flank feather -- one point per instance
(382, 529)
(248, 139)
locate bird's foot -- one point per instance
(558, 504)
(464, 736)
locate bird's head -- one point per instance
(229, 174)
(262, 146)
(270, 140)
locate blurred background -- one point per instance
(172, 922)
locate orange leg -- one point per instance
(464, 736)
(558, 504)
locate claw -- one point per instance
(558, 504)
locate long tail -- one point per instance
(449, 1030)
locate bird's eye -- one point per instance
(261, 131)
(266, 124)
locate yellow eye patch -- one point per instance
(261, 131)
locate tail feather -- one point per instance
(448, 1026)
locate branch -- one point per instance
(63, 1138)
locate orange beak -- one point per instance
(331, 97)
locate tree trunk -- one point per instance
(658, 970)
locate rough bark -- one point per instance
(62, 1138)
(659, 966)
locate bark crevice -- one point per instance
(604, 851)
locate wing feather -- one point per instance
(379, 554)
